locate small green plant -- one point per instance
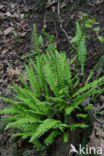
(50, 93)
(37, 43)
(17, 37)
(80, 38)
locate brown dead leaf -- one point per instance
(2, 16)
(50, 3)
(1, 33)
(53, 9)
(69, 154)
(23, 24)
(102, 146)
(1, 66)
(101, 98)
(94, 142)
(98, 130)
(64, 3)
(8, 14)
(97, 137)
(8, 30)
(97, 2)
(4, 51)
(12, 72)
(1, 6)
(80, 15)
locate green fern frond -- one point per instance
(66, 136)
(9, 100)
(45, 126)
(78, 34)
(76, 125)
(38, 145)
(23, 121)
(81, 49)
(10, 110)
(99, 66)
(82, 52)
(51, 78)
(94, 84)
(35, 40)
(49, 140)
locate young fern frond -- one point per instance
(99, 66)
(80, 40)
(82, 52)
(35, 40)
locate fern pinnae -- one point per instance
(27, 120)
(82, 53)
(94, 84)
(51, 78)
(49, 140)
(35, 41)
(33, 79)
(79, 39)
(44, 127)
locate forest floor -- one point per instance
(17, 18)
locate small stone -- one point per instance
(22, 16)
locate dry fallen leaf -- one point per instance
(53, 9)
(1, 66)
(94, 142)
(50, 3)
(8, 14)
(97, 137)
(102, 145)
(8, 30)
(99, 130)
(1, 7)
(64, 3)
(12, 72)
(2, 16)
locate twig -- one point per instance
(44, 21)
(60, 22)
(94, 114)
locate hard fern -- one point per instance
(49, 140)
(36, 42)
(50, 91)
(80, 40)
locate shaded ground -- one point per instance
(17, 18)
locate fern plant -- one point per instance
(80, 38)
(49, 92)
(36, 42)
